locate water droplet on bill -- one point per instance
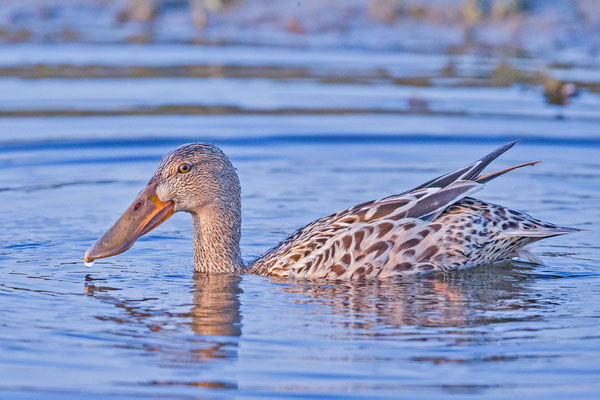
(88, 264)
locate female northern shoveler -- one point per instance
(434, 227)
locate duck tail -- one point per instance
(533, 235)
(523, 237)
(539, 233)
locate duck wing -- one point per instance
(428, 200)
(471, 171)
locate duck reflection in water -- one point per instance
(214, 318)
(465, 299)
(216, 309)
(443, 300)
(450, 308)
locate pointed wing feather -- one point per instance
(492, 175)
(469, 172)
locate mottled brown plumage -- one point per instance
(434, 227)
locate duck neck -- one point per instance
(217, 231)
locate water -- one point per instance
(74, 152)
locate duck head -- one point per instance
(192, 178)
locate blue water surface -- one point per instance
(75, 151)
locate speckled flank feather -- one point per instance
(434, 227)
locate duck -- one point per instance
(434, 227)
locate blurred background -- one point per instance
(449, 26)
(417, 56)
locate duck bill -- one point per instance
(144, 214)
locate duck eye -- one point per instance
(184, 168)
